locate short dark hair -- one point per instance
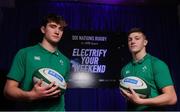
(135, 29)
(54, 18)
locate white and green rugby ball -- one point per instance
(49, 75)
(137, 84)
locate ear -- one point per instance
(145, 42)
(42, 29)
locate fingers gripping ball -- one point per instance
(48, 76)
(137, 84)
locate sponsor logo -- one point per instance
(50, 72)
(131, 81)
(127, 72)
(37, 58)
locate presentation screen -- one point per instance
(96, 58)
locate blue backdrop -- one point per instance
(160, 24)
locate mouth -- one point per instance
(55, 36)
(132, 46)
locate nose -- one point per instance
(132, 41)
(57, 31)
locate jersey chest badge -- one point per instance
(144, 68)
(61, 62)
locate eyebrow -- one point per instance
(54, 24)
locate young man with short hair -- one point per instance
(19, 85)
(151, 69)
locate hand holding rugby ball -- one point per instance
(48, 76)
(137, 84)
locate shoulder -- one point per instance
(65, 58)
(158, 63)
(27, 49)
(23, 52)
(127, 65)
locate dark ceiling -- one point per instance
(12, 3)
(132, 2)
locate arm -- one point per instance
(13, 92)
(168, 97)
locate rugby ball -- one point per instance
(137, 84)
(49, 75)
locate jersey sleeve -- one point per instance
(162, 74)
(17, 69)
(122, 73)
(68, 71)
(123, 70)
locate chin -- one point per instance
(55, 40)
(134, 51)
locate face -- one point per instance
(136, 42)
(52, 32)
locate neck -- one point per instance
(49, 46)
(139, 55)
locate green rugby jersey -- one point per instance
(29, 59)
(151, 69)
